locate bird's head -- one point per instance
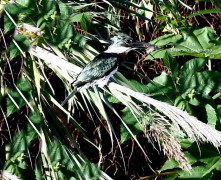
(122, 43)
(121, 39)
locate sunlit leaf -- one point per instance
(131, 122)
(198, 42)
(171, 64)
(22, 45)
(211, 115)
(25, 88)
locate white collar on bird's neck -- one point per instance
(118, 49)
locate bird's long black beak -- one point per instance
(142, 45)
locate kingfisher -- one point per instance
(104, 65)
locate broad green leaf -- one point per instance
(26, 3)
(211, 115)
(131, 122)
(136, 86)
(168, 39)
(19, 144)
(171, 64)
(112, 99)
(197, 172)
(17, 155)
(13, 9)
(202, 82)
(25, 88)
(198, 42)
(214, 163)
(185, 143)
(64, 10)
(38, 174)
(219, 110)
(76, 17)
(205, 163)
(23, 44)
(67, 164)
(169, 164)
(21, 7)
(86, 22)
(31, 132)
(46, 6)
(171, 177)
(215, 52)
(8, 24)
(91, 171)
(36, 118)
(162, 88)
(64, 33)
(192, 66)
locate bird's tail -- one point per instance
(74, 91)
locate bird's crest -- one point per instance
(121, 39)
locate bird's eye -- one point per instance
(129, 41)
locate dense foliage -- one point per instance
(106, 133)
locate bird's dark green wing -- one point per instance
(99, 67)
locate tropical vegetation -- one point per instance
(158, 118)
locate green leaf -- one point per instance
(23, 7)
(24, 2)
(215, 52)
(25, 88)
(206, 11)
(46, 7)
(13, 9)
(36, 118)
(172, 65)
(168, 39)
(197, 172)
(121, 6)
(202, 82)
(112, 99)
(64, 34)
(86, 22)
(198, 42)
(38, 174)
(66, 164)
(211, 115)
(205, 163)
(64, 10)
(162, 88)
(169, 164)
(19, 144)
(17, 155)
(214, 163)
(131, 122)
(192, 66)
(84, 19)
(91, 171)
(171, 177)
(27, 3)
(76, 17)
(136, 86)
(37, 121)
(21, 42)
(8, 24)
